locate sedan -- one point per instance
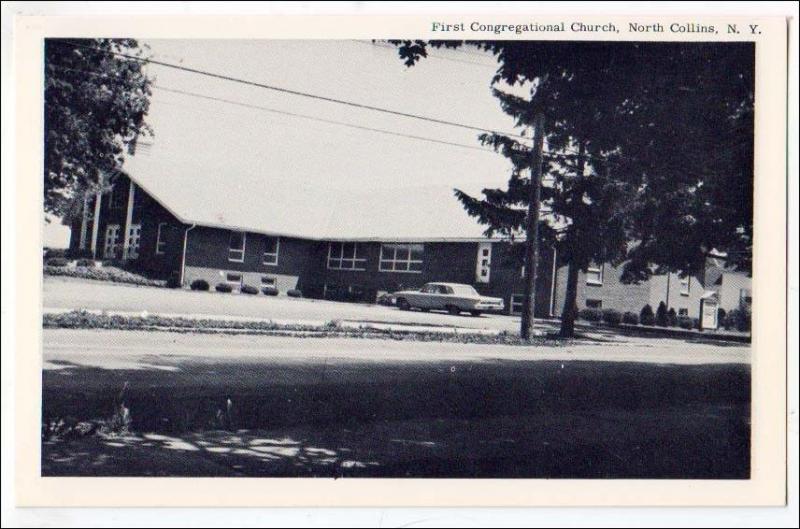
(452, 297)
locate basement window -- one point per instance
(235, 279)
(271, 247)
(594, 303)
(267, 281)
(236, 246)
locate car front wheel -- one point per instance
(403, 304)
(452, 309)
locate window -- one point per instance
(484, 262)
(161, 242)
(683, 312)
(134, 237)
(745, 297)
(268, 281)
(271, 247)
(594, 303)
(594, 275)
(344, 256)
(401, 258)
(685, 285)
(236, 246)
(234, 278)
(112, 241)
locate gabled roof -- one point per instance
(247, 200)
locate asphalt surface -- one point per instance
(213, 405)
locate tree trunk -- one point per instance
(532, 231)
(570, 310)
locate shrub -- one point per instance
(108, 262)
(721, 317)
(86, 263)
(740, 319)
(646, 316)
(199, 284)
(50, 253)
(294, 293)
(248, 289)
(270, 291)
(612, 317)
(174, 280)
(685, 322)
(661, 315)
(57, 261)
(631, 318)
(672, 318)
(223, 287)
(591, 314)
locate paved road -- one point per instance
(210, 405)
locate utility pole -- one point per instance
(532, 229)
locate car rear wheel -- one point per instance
(475, 313)
(403, 304)
(452, 309)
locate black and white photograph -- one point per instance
(395, 258)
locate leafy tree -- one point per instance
(95, 107)
(619, 118)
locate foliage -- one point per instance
(739, 319)
(591, 314)
(248, 289)
(661, 315)
(174, 280)
(645, 141)
(269, 291)
(57, 262)
(85, 263)
(104, 273)
(631, 318)
(223, 287)
(294, 293)
(646, 316)
(200, 284)
(95, 108)
(672, 318)
(612, 317)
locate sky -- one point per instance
(281, 154)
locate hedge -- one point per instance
(248, 289)
(86, 263)
(591, 314)
(57, 261)
(270, 291)
(646, 316)
(612, 317)
(200, 284)
(223, 287)
(106, 273)
(294, 293)
(631, 318)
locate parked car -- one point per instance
(386, 299)
(452, 297)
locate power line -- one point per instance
(322, 120)
(292, 92)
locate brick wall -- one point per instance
(613, 293)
